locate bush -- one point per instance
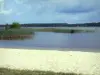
(15, 25)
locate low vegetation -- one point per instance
(15, 25)
(15, 29)
(12, 32)
(58, 30)
(7, 71)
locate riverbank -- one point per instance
(60, 30)
(49, 60)
(15, 34)
(31, 30)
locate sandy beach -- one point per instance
(57, 61)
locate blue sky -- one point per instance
(49, 11)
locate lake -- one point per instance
(56, 40)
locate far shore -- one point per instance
(51, 60)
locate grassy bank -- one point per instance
(11, 32)
(26, 31)
(58, 30)
(7, 71)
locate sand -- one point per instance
(57, 61)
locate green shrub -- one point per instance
(15, 25)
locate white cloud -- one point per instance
(6, 12)
(2, 10)
(1, 0)
(1, 5)
(19, 1)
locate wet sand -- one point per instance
(57, 61)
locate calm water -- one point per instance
(56, 40)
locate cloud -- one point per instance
(74, 10)
(6, 12)
(1, 4)
(19, 13)
(2, 10)
(47, 11)
(73, 6)
(20, 1)
(71, 11)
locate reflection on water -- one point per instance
(56, 40)
(16, 37)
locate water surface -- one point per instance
(56, 40)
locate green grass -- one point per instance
(26, 31)
(58, 30)
(7, 71)
(12, 32)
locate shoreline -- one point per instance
(57, 61)
(57, 49)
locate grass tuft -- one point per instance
(7, 71)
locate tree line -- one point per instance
(18, 25)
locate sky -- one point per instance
(49, 11)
